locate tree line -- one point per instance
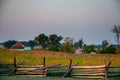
(53, 43)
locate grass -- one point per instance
(36, 57)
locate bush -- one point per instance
(109, 49)
(8, 44)
(89, 48)
(53, 48)
(67, 48)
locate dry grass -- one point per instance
(36, 57)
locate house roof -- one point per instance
(18, 45)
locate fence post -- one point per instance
(109, 64)
(15, 65)
(70, 64)
(14, 62)
(44, 66)
(44, 62)
(105, 69)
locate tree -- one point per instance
(116, 30)
(89, 48)
(104, 44)
(109, 49)
(42, 39)
(67, 46)
(76, 45)
(54, 48)
(8, 44)
(98, 49)
(80, 43)
(54, 39)
(32, 43)
(54, 42)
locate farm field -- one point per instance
(36, 57)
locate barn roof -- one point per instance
(18, 45)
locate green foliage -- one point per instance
(98, 49)
(54, 39)
(8, 44)
(32, 43)
(42, 39)
(67, 46)
(54, 42)
(80, 43)
(89, 48)
(109, 49)
(104, 44)
(54, 48)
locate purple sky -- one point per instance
(91, 20)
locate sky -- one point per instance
(92, 20)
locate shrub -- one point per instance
(67, 48)
(53, 48)
(109, 49)
(89, 48)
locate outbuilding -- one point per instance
(18, 46)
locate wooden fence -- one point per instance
(30, 70)
(113, 72)
(21, 69)
(60, 70)
(101, 71)
(5, 69)
(89, 71)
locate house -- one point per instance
(78, 51)
(27, 48)
(37, 47)
(26, 45)
(18, 46)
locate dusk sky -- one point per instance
(91, 20)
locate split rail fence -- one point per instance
(21, 69)
(113, 72)
(102, 71)
(89, 71)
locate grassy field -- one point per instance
(36, 57)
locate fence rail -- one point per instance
(113, 72)
(89, 67)
(89, 71)
(100, 71)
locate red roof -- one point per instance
(18, 45)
